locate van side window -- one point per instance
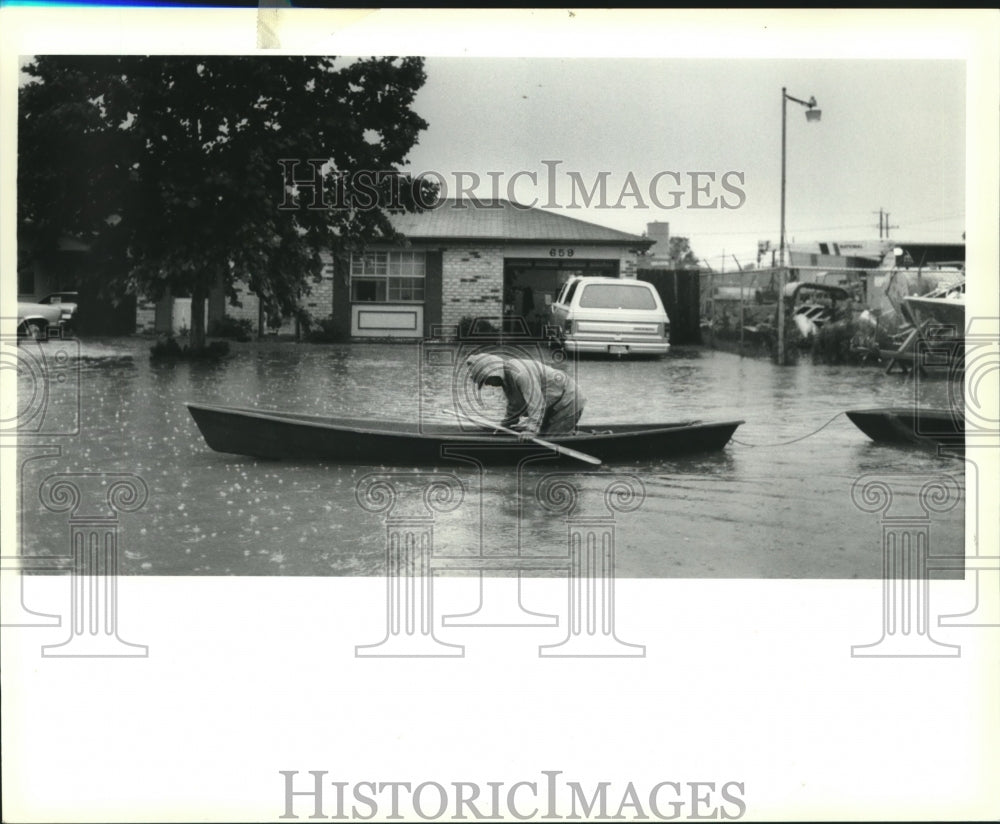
(570, 289)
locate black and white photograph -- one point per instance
(426, 415)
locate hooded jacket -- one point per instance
(531, 388)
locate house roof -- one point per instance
(506, 221)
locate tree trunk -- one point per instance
(198, 297)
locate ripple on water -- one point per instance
(775, 503)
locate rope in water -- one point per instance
(793, 440)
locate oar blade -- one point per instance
(580, 456)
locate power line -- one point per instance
(758, 232)
(937, 219)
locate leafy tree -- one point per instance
(171, 167)
(680, 255)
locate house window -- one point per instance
(388, 277)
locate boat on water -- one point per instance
(943, 307)
(934, 318)
(911, 425)
(266, 433)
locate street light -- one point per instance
(812, 115)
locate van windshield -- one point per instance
(616, 296)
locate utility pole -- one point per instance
(883, 224)
(740, 268)
(812, 114)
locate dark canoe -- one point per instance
(911, 425)
(265, 433)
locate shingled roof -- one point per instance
(506, 221)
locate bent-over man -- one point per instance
(540, 400)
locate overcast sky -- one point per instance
(891, 136)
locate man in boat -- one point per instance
(540, 400)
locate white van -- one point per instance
(610, 315)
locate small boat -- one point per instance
(265, 433)
(942, 307)
(911, 425)
(935, 319)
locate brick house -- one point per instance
(173, 313)
(461, 259)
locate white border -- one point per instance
(748, 680)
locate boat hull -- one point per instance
(271, 434)
(911, 425)
(942, 312)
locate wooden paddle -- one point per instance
(562, 450)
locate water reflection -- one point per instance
(762, 507)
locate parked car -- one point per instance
(610, 315)
(37, 320)
(67, 302)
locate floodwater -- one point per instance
(775, 503)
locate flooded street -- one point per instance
(763, 507)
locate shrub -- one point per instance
(323, 331)
(239, 329)
(168, 349)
